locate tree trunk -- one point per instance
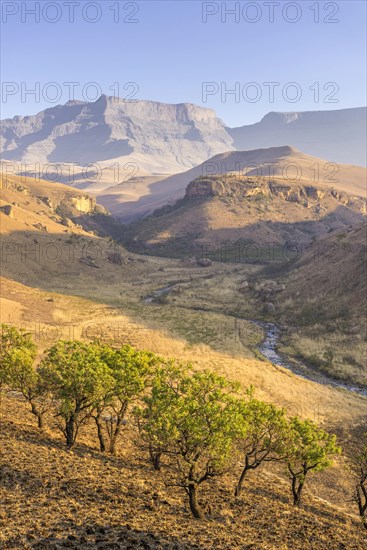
(112, 448)
(155, 457)
(238, 490)
(248, 466)
(195, 507)
(38, 415)
(70, 431)
(297, 491)
(102, 444)
(114, 436)
(362, 502)
(40, 421)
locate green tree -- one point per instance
(130, 370)
(17, 372)
(154, 425)
(78, 378)
(264, 437)
(12, 342)
(311, 449)
(195, 422)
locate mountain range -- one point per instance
(165, 139)
(159, 138)
(135, 157)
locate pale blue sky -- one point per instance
(170, 52)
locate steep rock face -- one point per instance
(84, 204)
(158, 137)
(242, 188)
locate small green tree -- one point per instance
(264, 438)
(18, 353)
(154, 425)
(195, 422)
(12, 342)
(130, 371)
(78, 378)
(311, 449)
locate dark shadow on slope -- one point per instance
(297, 236)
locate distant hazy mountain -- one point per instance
(338, 136)
(159, 137)
(165, 139)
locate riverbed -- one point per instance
(268, 348)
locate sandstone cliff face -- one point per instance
(244, 188)
(83, 204)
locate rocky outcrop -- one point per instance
(71, 206)
(238, 188)
(83, 204)
(116, 258)
(194, 262)
(204, 262)
(40, 227)
(8, 210)
(47, 201)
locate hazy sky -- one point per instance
(175, 47)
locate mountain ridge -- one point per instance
(138, 198)
(338, 135)
(164, 138)
(111, 129)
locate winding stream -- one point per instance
(157, 294)
(268, 348)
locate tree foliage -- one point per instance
(17, 372)
(264, 438)
(130, 370)
(16, 346)
(310, 449)
(78, 378)
(195, 421)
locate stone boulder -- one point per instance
(8, 210)
(204, 262)
(116, 258)
(40, 227)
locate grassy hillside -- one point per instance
(324, 305)
(242, 213)
(56, 498)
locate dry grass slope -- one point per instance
(53, 498)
